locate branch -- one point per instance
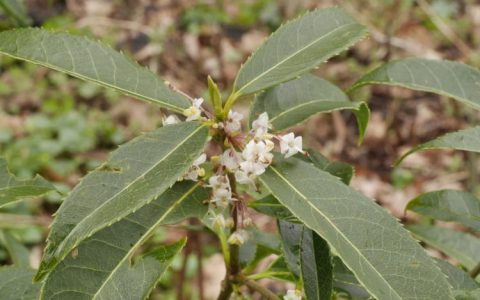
(266, 293)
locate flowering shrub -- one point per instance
(332, 240)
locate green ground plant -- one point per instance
(333, 241)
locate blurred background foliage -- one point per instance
(61, 127)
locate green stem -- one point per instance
(266, 293)
(475, 271)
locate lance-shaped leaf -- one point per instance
(137, 281)
(16, 284)
(92, 61)
(295, 101)
(466, 140)
(446, 78)
(18, 252)
(291, 238)
(128, 282)
(297, 47)
(101, 260)
(458, 279)
(316, 265)
(135, 174)
(271, 207)
(449, 205)
(459, 245)
(12, 189)
(381, 254)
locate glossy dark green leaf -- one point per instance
(295, 101)
(381, 254)
(297, 47)
(447, 78)
(136, 173)
(316, 266)
(92, 61)
(466, 140)
(462, 246)
(100, 259)
(449, 205)
(16, 284)
(12, 189)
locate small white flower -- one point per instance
(195, 170)
(293, 295)
(248, 172)
(260, 126)
(222, 197)
(233, 123)
(193, 112)
(257, 152)
(238, 237)
(170, 120)
(290, 145)
(218, 182)
(218, 222)
(230, 159)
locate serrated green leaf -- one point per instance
(316, 266)
(458, 279)
(18, 252)
(135, 174)
(466, 140)
(295, 101)
(459, 245)
(16, 284)
(449, 205)
(101, 259)
(271, 207)
(92, 61)
(12, 189)
(447, 78)
(381, 254)
(297, 47)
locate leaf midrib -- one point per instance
(126, 187)
(147, 233)
(99, 82)
(335, 227)
(289, 57)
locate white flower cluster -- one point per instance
(256, 156)
(245, 166)
(293, 295)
